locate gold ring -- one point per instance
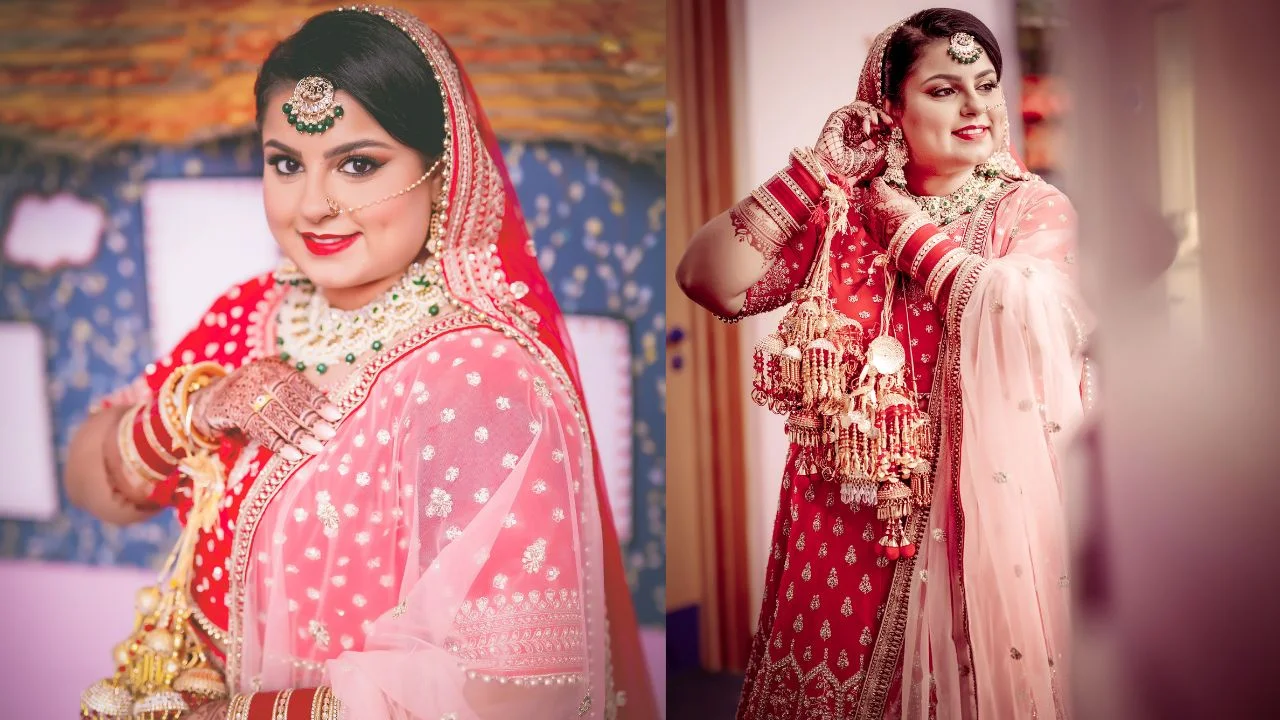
(334, 209)
(260, 402)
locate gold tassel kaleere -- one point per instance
(850, 413)
(163, 667)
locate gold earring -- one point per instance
(896, 159)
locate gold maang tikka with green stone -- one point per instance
(311, 108)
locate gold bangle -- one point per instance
(199, 376)
(795, 189)
(943, 270)
(754, 226)
(908, 228)
(812, 165)
(169, 412)
(239, 707)
(925, 249)
(129, 453)
(156, 446)
(775, 209)
(938, 276)
(327, 707)
(280, 710)
(972, 264)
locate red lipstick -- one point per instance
(318, 244)
(970, 132)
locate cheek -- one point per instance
(398, 229)
(931, 130)
(999, 122)
(278, 203)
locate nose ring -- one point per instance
(333, 206)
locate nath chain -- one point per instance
(335, 209)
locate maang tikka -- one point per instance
(311, 108)
(964, 49)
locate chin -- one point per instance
(333, 278)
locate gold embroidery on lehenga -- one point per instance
(786, 690)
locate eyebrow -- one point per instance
(342, 149)
(957, 78)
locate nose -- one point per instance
(314, 204)
(973, 105)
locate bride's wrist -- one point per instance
(781, 207)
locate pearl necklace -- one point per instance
(312, 333)
(946, 209)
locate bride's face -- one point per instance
(354, 162)
(952, 114)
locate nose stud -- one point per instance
(333, 206)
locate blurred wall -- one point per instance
(1180, 498)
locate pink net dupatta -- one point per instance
(996, 636)
(450, 554)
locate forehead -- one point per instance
(935, 60)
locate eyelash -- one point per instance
(988, 86)
(274, 163)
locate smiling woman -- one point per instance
(391, 497)
(367, 139)
(930, 361)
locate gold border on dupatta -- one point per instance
(887, 652)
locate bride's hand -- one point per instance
(848, 143)
(885, 209)
(269, 402)
(212, 710)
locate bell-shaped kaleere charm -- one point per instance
(162, 705)
(162, 669)
(791, 377)
(893, 503)
(854, 454)
(203, 682)
(807, 313)
(813, 436)
(766, 388)
(823, 377)
(894, 543)
(107, 700)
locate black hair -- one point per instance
(924, 27)
(369, 59)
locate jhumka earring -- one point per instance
(896, 159)
(311, 108)
(964, 49)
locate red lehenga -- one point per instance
(974, 621)
(450, 552)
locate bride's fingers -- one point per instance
(290, 428)
(314, 397)
(257, 428)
